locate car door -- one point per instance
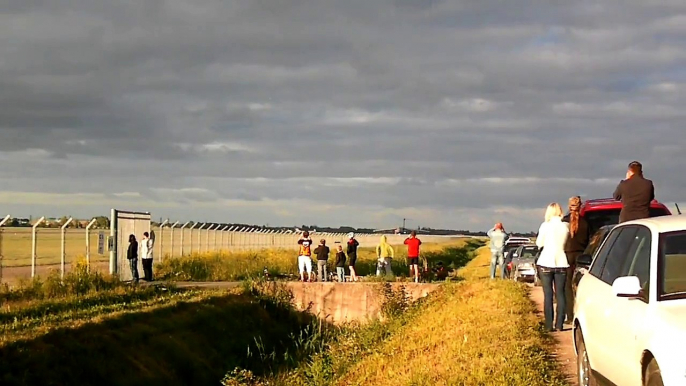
(587, 306)
(629, 315)
(600, 318)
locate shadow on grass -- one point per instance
(191, 343)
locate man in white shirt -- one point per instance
(147, 245)
(498, 238)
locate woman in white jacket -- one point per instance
(552, 264)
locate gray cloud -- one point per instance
(355, 112)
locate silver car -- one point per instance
(524, 263)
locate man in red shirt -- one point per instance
(413, 244)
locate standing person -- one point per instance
(384, 255)
(636, 193)
(305, 256)
(340, 264)
(322, 252)
(579, 236)
(146, 256)
(132, 256)
(413, 244)
(552, 264)
(352, 255)
(498, 238)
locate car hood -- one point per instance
(526, 260)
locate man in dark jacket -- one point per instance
(322, 253)
(636, 193)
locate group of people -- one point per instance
(144, 250)
(384, 254)
(563, 238)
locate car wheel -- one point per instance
(583, 366)
(653, 375)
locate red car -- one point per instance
(605, 211)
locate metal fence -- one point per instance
(29, 251)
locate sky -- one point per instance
(452, 114)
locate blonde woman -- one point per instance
(384, 254)
(552, 264)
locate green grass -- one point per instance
(471, 332)
(475, 332)
(153, 336)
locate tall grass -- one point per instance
(340, 348)
(472, 332)
(155, 336)
(235, 266)
(79, 281)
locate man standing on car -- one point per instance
(498, 238)
(636, 193)
(413, 244)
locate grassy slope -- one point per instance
(477, 332)
(146, 337)
(229, 266)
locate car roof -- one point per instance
(661, 224)
(611, 203)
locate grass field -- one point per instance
(95, 330)
(230, 266)
(16, 246)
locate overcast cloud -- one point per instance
(354, 112)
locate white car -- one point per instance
(630, 309)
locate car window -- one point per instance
(618, 254)
(599, 261)
(595, 241)
(638, 263)
(528, 252)
(672, 265)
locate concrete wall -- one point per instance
(341, 302)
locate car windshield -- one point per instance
(600, 218)
(672, 272)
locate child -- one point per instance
(322, 252)
(340, 264)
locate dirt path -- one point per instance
(564, 349)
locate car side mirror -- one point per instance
(584, 260)
(627, 287)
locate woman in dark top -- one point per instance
(579, 236)
(352, 255)
(132, 256)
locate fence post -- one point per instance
(2, 255)
(161, 250)
(172, 238)
(63, 255)
(207, 238)
(200, 237)
(190, 235)
(215, 237)
(182, 232)
(33, 246)
(88, 245)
